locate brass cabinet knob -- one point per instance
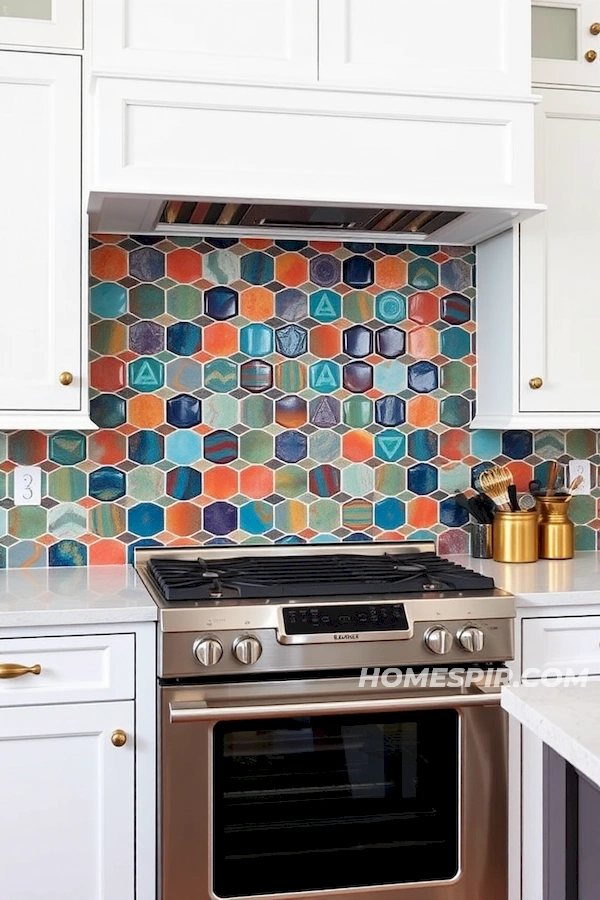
(15, 670)
(595, 28)
(591, 56)
(118, 738)
(535, 383)
(65, 378)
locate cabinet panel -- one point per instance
(471, 48)
(232, 40)
(67, 801)
(562, 34)
(558, 249)
(572, 642)
(40, 184)
(41, 23)
(73, 669)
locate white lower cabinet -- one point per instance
(67, 802)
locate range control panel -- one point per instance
(336, 618)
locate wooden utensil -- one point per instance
(552, 473)
(495, 482)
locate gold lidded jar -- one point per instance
(516, 536)
(556, 530)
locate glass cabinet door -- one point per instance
(565, 42)
(46, 24)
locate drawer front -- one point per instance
(572, 643)
(73, 669)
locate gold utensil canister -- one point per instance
(555, 527)
(516, 536)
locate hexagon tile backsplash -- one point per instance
(262, 391)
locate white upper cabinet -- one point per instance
(566, 42)
(52, 24)
(40, 251)
(472, 47)
(232, 40)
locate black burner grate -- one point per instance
(315, 575)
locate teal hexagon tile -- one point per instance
(67, 520)
(222, 411)
(3, 487)
(324, 538)
(455, 411)
(390, 514)
(585, 538)
(358, 306)
(220, 376)
(486, 444)
(454, 476)
(390, 445)
(582, 509)
(66, 447)
(107, 520)
(67, 553)
(222, 267)
(423, 274)
(357, 412)
(146, 301)
(256, 517)
(389, 479)
(256, 340)
(455, 377)
(184, 301)
(27, 555)
(27, 521)
(146, 374)
(390, 307)
(184, 375)
(358, 480)
(357, 514)
(27, 448)
(549, 444)
(325, 446)
(146, 483)
(257, 411)
(325, 377)
(291, 376)
(183, 447)
(291, 481)
(3, 445)
(390, 376)
(67, 484)
(324, 515)
(291, 516)
(455, 342)
(257, 268)
(581, 444)
(325, 306)
(108, 300)
(256, 447)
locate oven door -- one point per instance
(321, 788)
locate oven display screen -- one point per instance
(353, 617)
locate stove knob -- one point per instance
(471, 639)
(247, 649)
(208, 651)
(438, 640)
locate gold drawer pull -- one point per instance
(65, 378)
(535, 383)
(15, 670)
(595, 28)
(118, 738)
(591, 56)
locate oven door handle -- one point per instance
(202, 712)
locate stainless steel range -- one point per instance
(299, 758)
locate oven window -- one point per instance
(319, 803)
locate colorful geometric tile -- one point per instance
(109, 263)
(291, 305)
(357, 514)
(146, 411)
(358, 341)
(107, 374)
(184, 338)
(256, 376)
(256, 447)
(184, 301)
(456, 275)
(220, 376)
(67, 553)
(358, 306)
(220, 411)
(422, 479)
(455, 309)
(256, 517)
(324, 377)
(107, 483)
(357, 412)
(291, 376)
(451, 514)
(145, 519)
(183, 411)
(455, 343)
(146, 301)
(220, 447)
(455, 377)
(290, 516)
(184, 483)
(423, 308)
(146, 374)
(358, 271)
(221, 303)
(291, 412)
(220, 518)
(27, 448)
(390, 376)
(390, 411)
(183, 447)
(325, 341)
(423, 274)
(108, 411)
(358, 377)
(27, 555)
(107, 520)
(325, 446)
(67, 520)
(66, 447)
(291, 268)
(220, 483)
(325, 270)
(67, 484)
(291, 340)
(455, 411)
(390, 342)
(257, 412)
(27, 521)
(146, 264)
(325, 306)
(107, 446)
(291, 446)
(256, 340)
(517, 444)
(324, 481)
(108, 300)
(146, 337)
(324, 516)
(423, 377)
(291, 481)
(423, 343)
(390, 307)
(357, 480)
(257, 268)
(183, 519)
(222, 266)
(390, 514)
(390, 445)
(423, 444)
(257, 304)
(256, 482)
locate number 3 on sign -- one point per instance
(28, 485)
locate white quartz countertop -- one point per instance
(547, 582)
(564, 716)
(73, 596)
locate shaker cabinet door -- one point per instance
(559, 302)
(42, 23)
(67, 802)
(240, 41)
(469, 48)
(40, 248)
(565, 42)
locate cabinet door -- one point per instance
(559, 305)
(41, 23)
(565, 42)
(67, 801)
(470, 48)
(40, 250)
(230, 40)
